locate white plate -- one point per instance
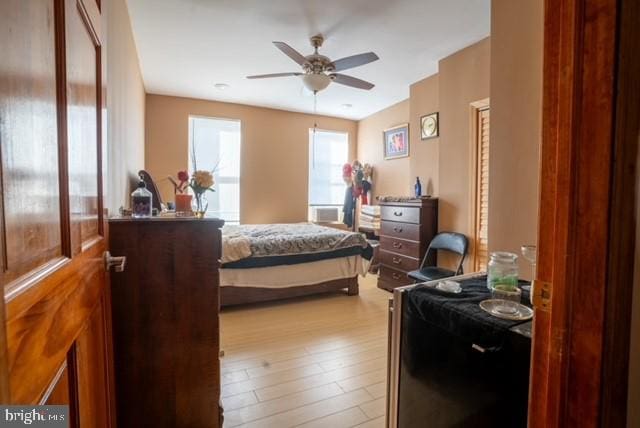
(491, 306)
(451, 289)
(449, 286)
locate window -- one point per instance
(328, 152)
(215, 143)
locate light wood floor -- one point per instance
(311, 362)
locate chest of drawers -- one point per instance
(405, 232)
(165, 321)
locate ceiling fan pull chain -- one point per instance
(315, 126)
(315, 111)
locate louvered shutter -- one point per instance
(482, 191)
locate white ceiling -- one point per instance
(186, 46)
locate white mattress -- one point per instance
(295, 275)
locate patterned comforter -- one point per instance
(260, 245)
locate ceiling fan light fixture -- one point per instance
(221, 86)
(315, 82)
(316, 66)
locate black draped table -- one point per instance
(461, 366)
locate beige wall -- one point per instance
(397, 176)
(390, 177)
(516, 110)
(424, 161)
(443, 163)
(125, 107)
(274, 153)
(463, 79)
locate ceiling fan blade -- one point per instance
(343, 79)
(265, 76)
(354, 61)
(291, 52)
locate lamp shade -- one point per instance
(315, 82)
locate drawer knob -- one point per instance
(397, 213)
(396, 276)
(397, 229)
(396, 261)
(397, 245)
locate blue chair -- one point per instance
(445, 241)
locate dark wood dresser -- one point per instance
(165, 322)
(406, 230)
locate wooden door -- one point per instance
(481, 202)
(591, 112)
(53, 234)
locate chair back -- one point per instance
(449, 241)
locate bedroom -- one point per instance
(314, 175)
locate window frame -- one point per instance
(310, 205)
(190, 124)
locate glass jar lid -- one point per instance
(503, 257)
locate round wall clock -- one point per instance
(429, 126)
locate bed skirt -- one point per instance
(230, 295)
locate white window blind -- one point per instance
(216, 145)
(328, 152)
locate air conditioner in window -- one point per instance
(325, 214)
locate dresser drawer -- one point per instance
(400, 230)
(403, 214)
(399, 262)
(397, 277)
(401, 246)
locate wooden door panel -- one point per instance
(92, 371)
(31, 232)
(59, 390)
(83, 115)
(44, 321)
(52, 236)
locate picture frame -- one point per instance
(430, 126)
(395, 142)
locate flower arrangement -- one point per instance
(202, 181)
(199, 182)
(181, 185)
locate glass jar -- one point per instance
(502, 271)
(141, 201)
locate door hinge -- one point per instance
(541, 295)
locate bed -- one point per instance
(278, 261)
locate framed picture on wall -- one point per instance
(396, 142)
(429, 127)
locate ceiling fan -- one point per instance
(318, 71)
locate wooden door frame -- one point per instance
(4, 358)
(586, 232)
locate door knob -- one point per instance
(118, 263)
